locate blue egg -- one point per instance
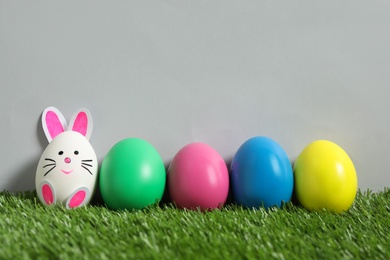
(261, 174)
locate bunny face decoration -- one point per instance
(67, 170)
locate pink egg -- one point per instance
(198, 178)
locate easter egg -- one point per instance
(325, 177)
(198, 178)
(132, 175)
(261, 174)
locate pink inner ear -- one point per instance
(54, 125)
(81, 123)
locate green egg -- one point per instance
(132, 175)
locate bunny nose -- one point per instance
(67, 160)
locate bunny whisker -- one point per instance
(49, 170)
(87, 169)
(49, 164)
(86, 160)
(86, 164)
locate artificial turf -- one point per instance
(30, 230)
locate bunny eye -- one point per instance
(60, 153)
(76, 152)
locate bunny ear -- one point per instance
(53, 122)
(82, 122)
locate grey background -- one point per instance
(220, 72)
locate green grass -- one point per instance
(31, 230)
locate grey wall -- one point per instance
(174, 72)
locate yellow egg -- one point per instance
(325, 177)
